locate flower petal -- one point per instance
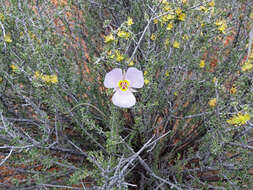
(112, 78)
(123, 99)
(135, 77)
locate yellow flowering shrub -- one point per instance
(239, 119)
(53, 79)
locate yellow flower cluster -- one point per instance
(14, 67)
(153, 37)
(202, 64)
(146, 81)
(7, 38)
(180, 15)
(2, 17)
(123, 34)
(169, 26)
(207, 8)
(129, 21)
(212, 103)
(109, 38)
(248, 66)
(167, 17)
(211, 4)
(131, 63)
(176, 44)
(239, 119)
(53, 79)
(177, 14)
(222, 25)
(233, 90)
(119, 56)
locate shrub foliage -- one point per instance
(191, 127)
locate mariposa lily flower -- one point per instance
(124, 84)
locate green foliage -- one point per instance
(59, 127)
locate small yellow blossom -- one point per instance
(119, 57)
(155, 21)
(37, 75)
(184, 1)
(167, 42)
(185, 37)
(182, 17)
(129, 21)
(167, 17)
(153, 37)
(222, 25)
(145, 73)
(146, 81)
(109, 53)
(239, 119)
(212, 102)
(251, 56)
(251, 15)
(170, 26)
(46, 78)
(202, 25)
(219, 22)
(211, 4)
(2, 17)
(233, 90)
(202, 64)
(7, 38)
(176, 44)
(204, 9)
(53, 79)
(123, 34)
(178, 11)
(14, 67)
(222, 28)
(167, 74)
(214, 79)
(170, 16)
(109, 38)
(131, 63)
(165, 2)
(247, 66)
(175, 93)
(167, 8)
(112, 56)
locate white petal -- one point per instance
(135, 77)
(112, 78)
(123, 99)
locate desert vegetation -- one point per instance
(126, 94)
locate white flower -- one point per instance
(123, 84)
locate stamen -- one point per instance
(123, 85)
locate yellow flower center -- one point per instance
(123, 85)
